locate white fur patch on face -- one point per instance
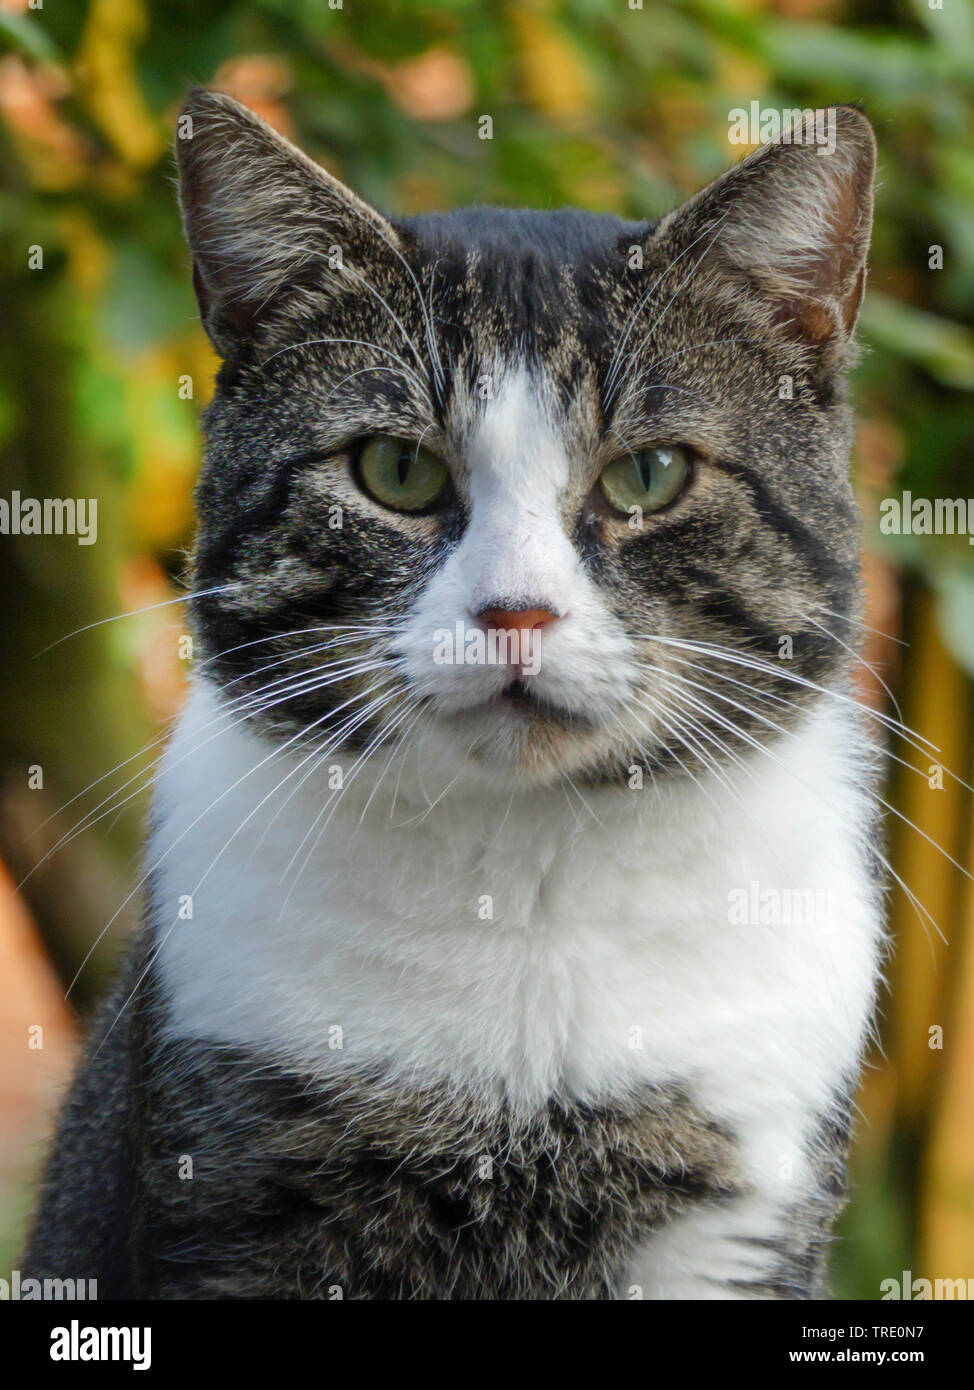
(517, 553)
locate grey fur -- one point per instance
(351, 1189)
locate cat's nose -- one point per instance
(517, 619)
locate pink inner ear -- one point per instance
(808, 318)
(827, 274)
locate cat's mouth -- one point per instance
(522, 728)
(520, 700)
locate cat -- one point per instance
(494, 976)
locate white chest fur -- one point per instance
(546, 945)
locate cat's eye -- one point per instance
(401, 475)
(648, 480)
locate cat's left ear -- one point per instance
(263, 221)
(791, 221)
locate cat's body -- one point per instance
(518, 1005)
(567, 1078)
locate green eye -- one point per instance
(401, 475)
(650, 479)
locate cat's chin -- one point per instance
(520, 741)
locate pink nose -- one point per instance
(517, 619)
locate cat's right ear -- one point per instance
(263, 221)
(789, 227)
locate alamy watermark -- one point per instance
(77, 1343)
(758, 905)
(766, 125)
(907, 515)
(926, 1290)
(50, 516)
(19, 1290)
(493, 646)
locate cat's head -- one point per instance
(557, 493)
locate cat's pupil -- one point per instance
(402, 465)
(644, 466)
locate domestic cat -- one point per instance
(534, 967)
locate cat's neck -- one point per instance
(511, 940)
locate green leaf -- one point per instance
(25, 34)
(954, 588)
(944, 349)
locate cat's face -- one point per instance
(558, 494)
